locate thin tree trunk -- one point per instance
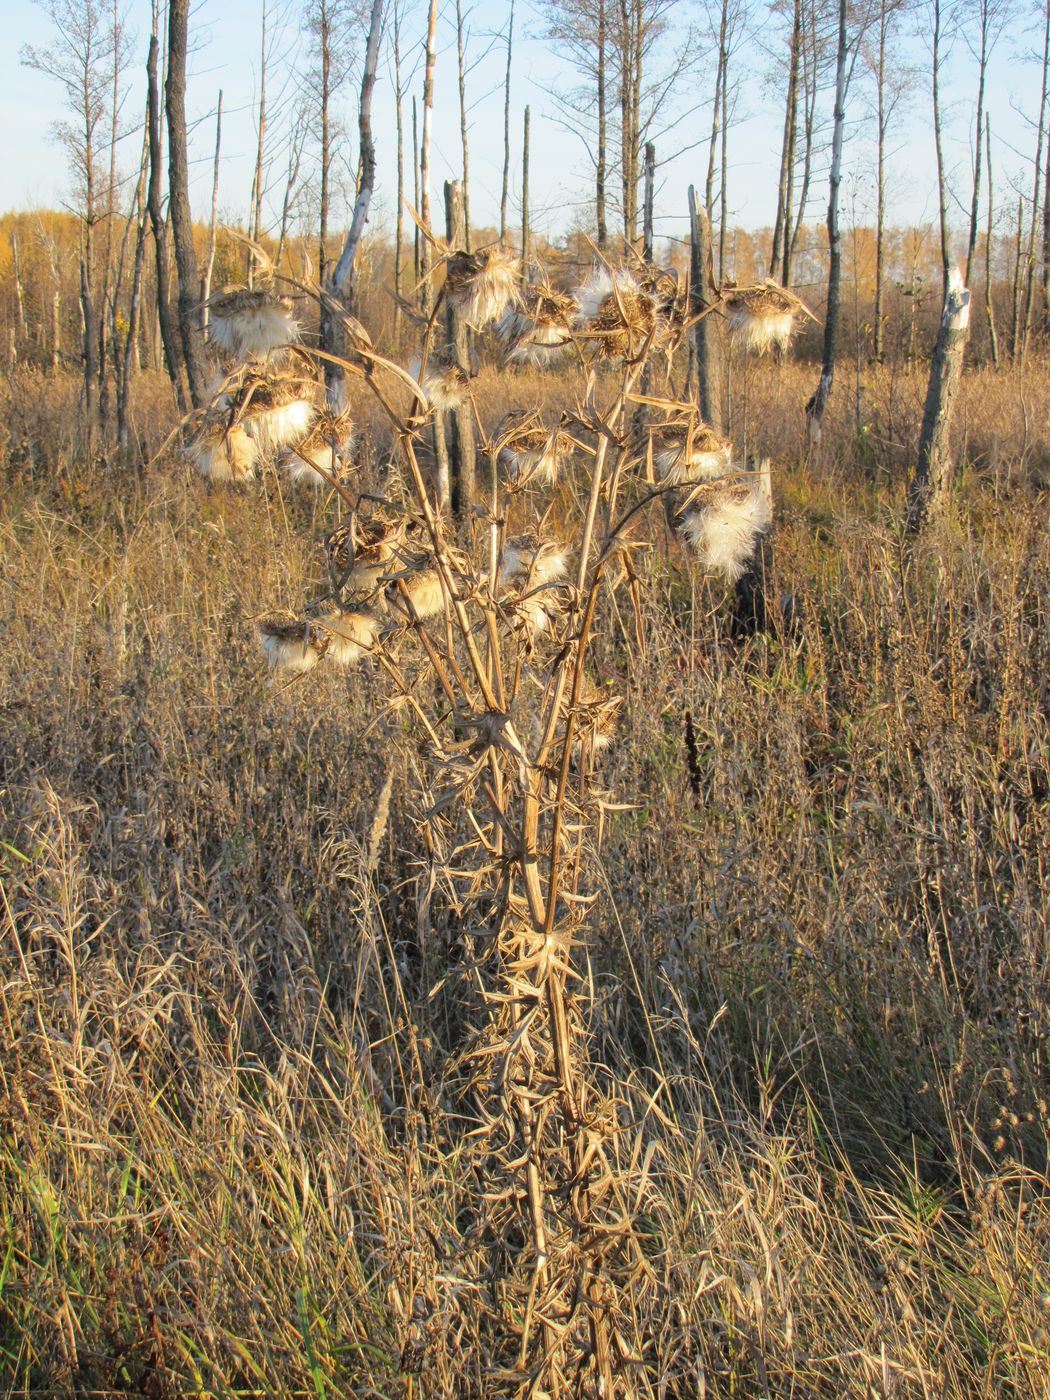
(705, 333)
(787, 149)
(1029, 295)
(975, 201)
(930, 486)
(343, 283)
(20, 291)
(817, 404)
(600, 171)
(716, 114)
(723, 207)
(260, 150)
(505, 189)
(989, 303)
(810, 74)
(525, 198)
(461, 72)
(424, 163)
(880, 206)
(648, 249)
(209, 266)
(417, 264)
(942, 188)
(1018, 285)
(160, 228)
(325, 34)
(461, 420)
(399, 221)
(179, 202)
(134, 312)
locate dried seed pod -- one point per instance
(326, 445)
(724, 523)
(244, 322)
(526, 451)
(361, 552)
(540, 329)
(482, 285)
(275, 409)
(530, 561)
(424, 591)
(445, 383)
(617, 314)
(764, 317)
(286, 639)
(223, 451)
(347, 633)
(687, 450)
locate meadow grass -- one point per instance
(231, 991)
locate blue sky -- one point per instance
(33, 172)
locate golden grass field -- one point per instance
(817, 970)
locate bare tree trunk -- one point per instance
(989, 303)
(399, 221)
(705, 333)
(723, 206)
(20, 291)
(461, 420)
(505, 190)
(134, 311)
(810, 74)
(930, 486)
(179, 202)
(942, 188)
(424, 162)
(460, 46)
(417, 262)
(209, 266)
(716, 113)
(975, 201)
(648, 241)
(1018, 285)
(343, 284)
(260, 150)
(600, 171)
(160, 229)
(324, 25)
(525, 197)
(817, 404)
(787, 149)
(295, 156)
(880, 210)
(1029, 295)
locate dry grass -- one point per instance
(817, 979)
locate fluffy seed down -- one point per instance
(616, 313)
(349, 633)
(444, 383)
(326, 446)
(287, 642)
(531, 562)
(423, 587)
(724, 526)
(526, 451)
(482, 285)
(686, 451)
(243, 322)
(540, 330)
(222, 453)
(762, 318)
